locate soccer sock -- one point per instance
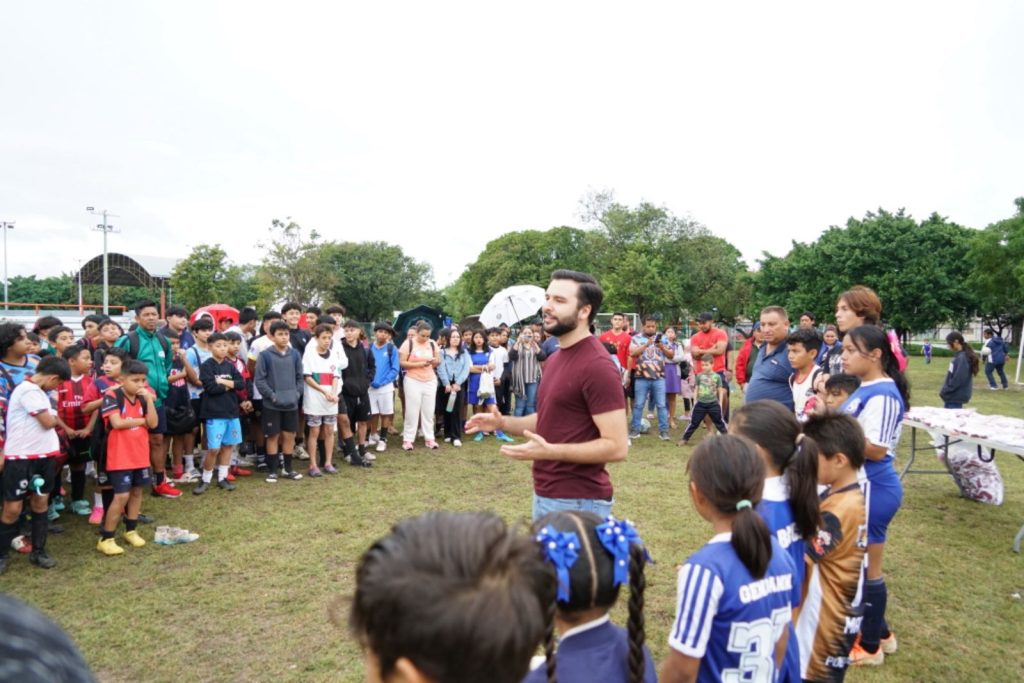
(179, 471)
(288, 462)
(7, 534)
(190, 462)
(222, 472)
(207, 476)
(350, 446)
(39, 524)
(130, 524)
(77, 484)
(272, 462)
(875, 598)
(106, 534)
(384, 434)
(97, 500)
(159, 476)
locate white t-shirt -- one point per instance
(26, 438)
(195, 357)
(327, 373)
(499, 356)
(804, 397)
(258, 346)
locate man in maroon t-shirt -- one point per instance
(580, 423)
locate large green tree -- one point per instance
(996, 257)
(919, 270)
(201, 277)
(373, 279)
(293, 267)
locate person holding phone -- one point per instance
(526, 356)
(649, 354)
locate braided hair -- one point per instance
(592, 585)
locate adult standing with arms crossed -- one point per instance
(580, 423)
(770, 379)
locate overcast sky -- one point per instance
(440, 126)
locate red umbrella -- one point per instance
(218, 312)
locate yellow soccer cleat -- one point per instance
(133, 538)
(109, 547)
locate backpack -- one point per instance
(685, 369)
(134, 344)
(98, 440)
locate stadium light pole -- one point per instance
(6, 225)
(106, 228)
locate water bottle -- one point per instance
(38, 483)
(451, 401)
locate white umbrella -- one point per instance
(511, 305)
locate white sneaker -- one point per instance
(382, 446)
(456, 443)
(194, 475)
(369, 456)
(300, 453)
(374, 439)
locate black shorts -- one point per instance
(276, 421)
(124, 481)
(79, 451)
(161, 421)
(257, 407)
(358, 408)
(18, 475)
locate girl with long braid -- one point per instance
(591, 558)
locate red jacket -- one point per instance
(741, 362)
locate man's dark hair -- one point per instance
(649, 317)
(336, 308)
(313, 309)
(587, 293)
(619, 313)
(54, 365)
(9, 333)
(843, 382)
(291, 306)
(247, 315)
(279, 325)
(271, 315)
(989, 332)
(134, 367)
(45, 323)
(216, 337)
(73, 351)
(837, 433)
(57, 331)
(808, 337)
(177, 311)
(140, 306)
(203, 323)
(808, 314)
(92, 318)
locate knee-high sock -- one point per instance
(875, 598)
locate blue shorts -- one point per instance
(883, 501)
(124, 481)
(543, 506)
(222, 431)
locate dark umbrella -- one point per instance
(407, 319)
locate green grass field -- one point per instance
(250, 600)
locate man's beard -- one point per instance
(562, 327)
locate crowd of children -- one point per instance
(789, 587)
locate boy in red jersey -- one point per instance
(72, 397)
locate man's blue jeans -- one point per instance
(543, 506)
(991, 369)
(643, 388)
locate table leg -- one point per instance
(913, 452)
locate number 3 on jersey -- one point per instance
(755, 642)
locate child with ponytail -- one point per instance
(878, 405)
(735, 594)
(789, 503)
(957, 388)
(591, 558)
(454, 597)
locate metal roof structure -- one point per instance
(152, 272)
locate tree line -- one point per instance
(929, 273)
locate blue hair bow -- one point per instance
(560, 549)
(616, 537)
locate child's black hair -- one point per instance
(843, 382)
(866, 339)
(335, 308)
(807, 337)
(134, 367)
(313, 309)
(247, 315)
(57, 331)
(54, 365)
(493, 330)
(279, 325)
(119, 353)
(176, 311)
(472, 342)
(45, 323)
(73, 351)
(9, 334)
(972, 357)
(460, 595)
(169, 334)
(33, 337)
(591, 581)
(109, 321)
(775, 429)
(323, 327)
(729, 473)
(92, 318)
(202, 323)
(216, 337)
(291, 306)
(325, 320)
(837, 433)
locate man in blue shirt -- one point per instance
(770, 379)
(995, 358)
